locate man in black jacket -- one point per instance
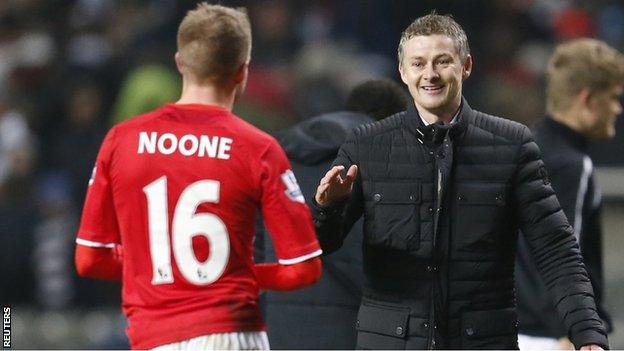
(323, 315)
(444, 189)
(585, 83)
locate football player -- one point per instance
(171, 204)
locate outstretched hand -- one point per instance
(333, 187)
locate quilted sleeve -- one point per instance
(555, 250)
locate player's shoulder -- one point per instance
(119, 134)
(137, 122)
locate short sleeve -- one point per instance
(98, 225)
(285, 213)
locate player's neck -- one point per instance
(572, 119)
(206, 95)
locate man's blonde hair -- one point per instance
(214, 41)
(436, 24)
(579, 64)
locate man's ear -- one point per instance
(178, 62)
(241, 73)
(467, 67)
(584, 97)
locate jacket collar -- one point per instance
(415, 125)
(572, 137)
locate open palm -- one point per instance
(333, 187)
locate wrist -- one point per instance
(326, 211)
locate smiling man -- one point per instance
(443, 190)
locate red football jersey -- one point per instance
(179, 188)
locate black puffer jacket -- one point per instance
(323, 315)
(442, 208)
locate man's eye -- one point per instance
(417, 64)
(444, 62)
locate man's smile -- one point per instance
(432, 89)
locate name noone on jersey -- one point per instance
(187, 145)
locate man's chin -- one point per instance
(431, 106)
(610, 134)
(603, 135)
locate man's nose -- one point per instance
(430, 72)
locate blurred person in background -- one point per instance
(144, 89)
(82, 126)
(63, 186)
(270, 84)
(18, 210)
(443, 190)
(17, 143)
(323, 316)
(196, 163)
(585, 82)
(53, 242)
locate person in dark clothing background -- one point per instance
(443, 190)
(323, 316)
(585, 83)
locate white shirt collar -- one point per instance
(452, 120)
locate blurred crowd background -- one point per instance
(70, 69)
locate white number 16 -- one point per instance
(186, 224)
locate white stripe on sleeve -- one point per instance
(301, 258)
(580, 197)
(88, 243)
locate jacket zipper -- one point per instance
(436, 218)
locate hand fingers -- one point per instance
(352, 173)
(332, 186)
(321, 189)
(331, 174)
(321, 194)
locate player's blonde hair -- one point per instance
(436, 24)
(214, 41)
(579, 64)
